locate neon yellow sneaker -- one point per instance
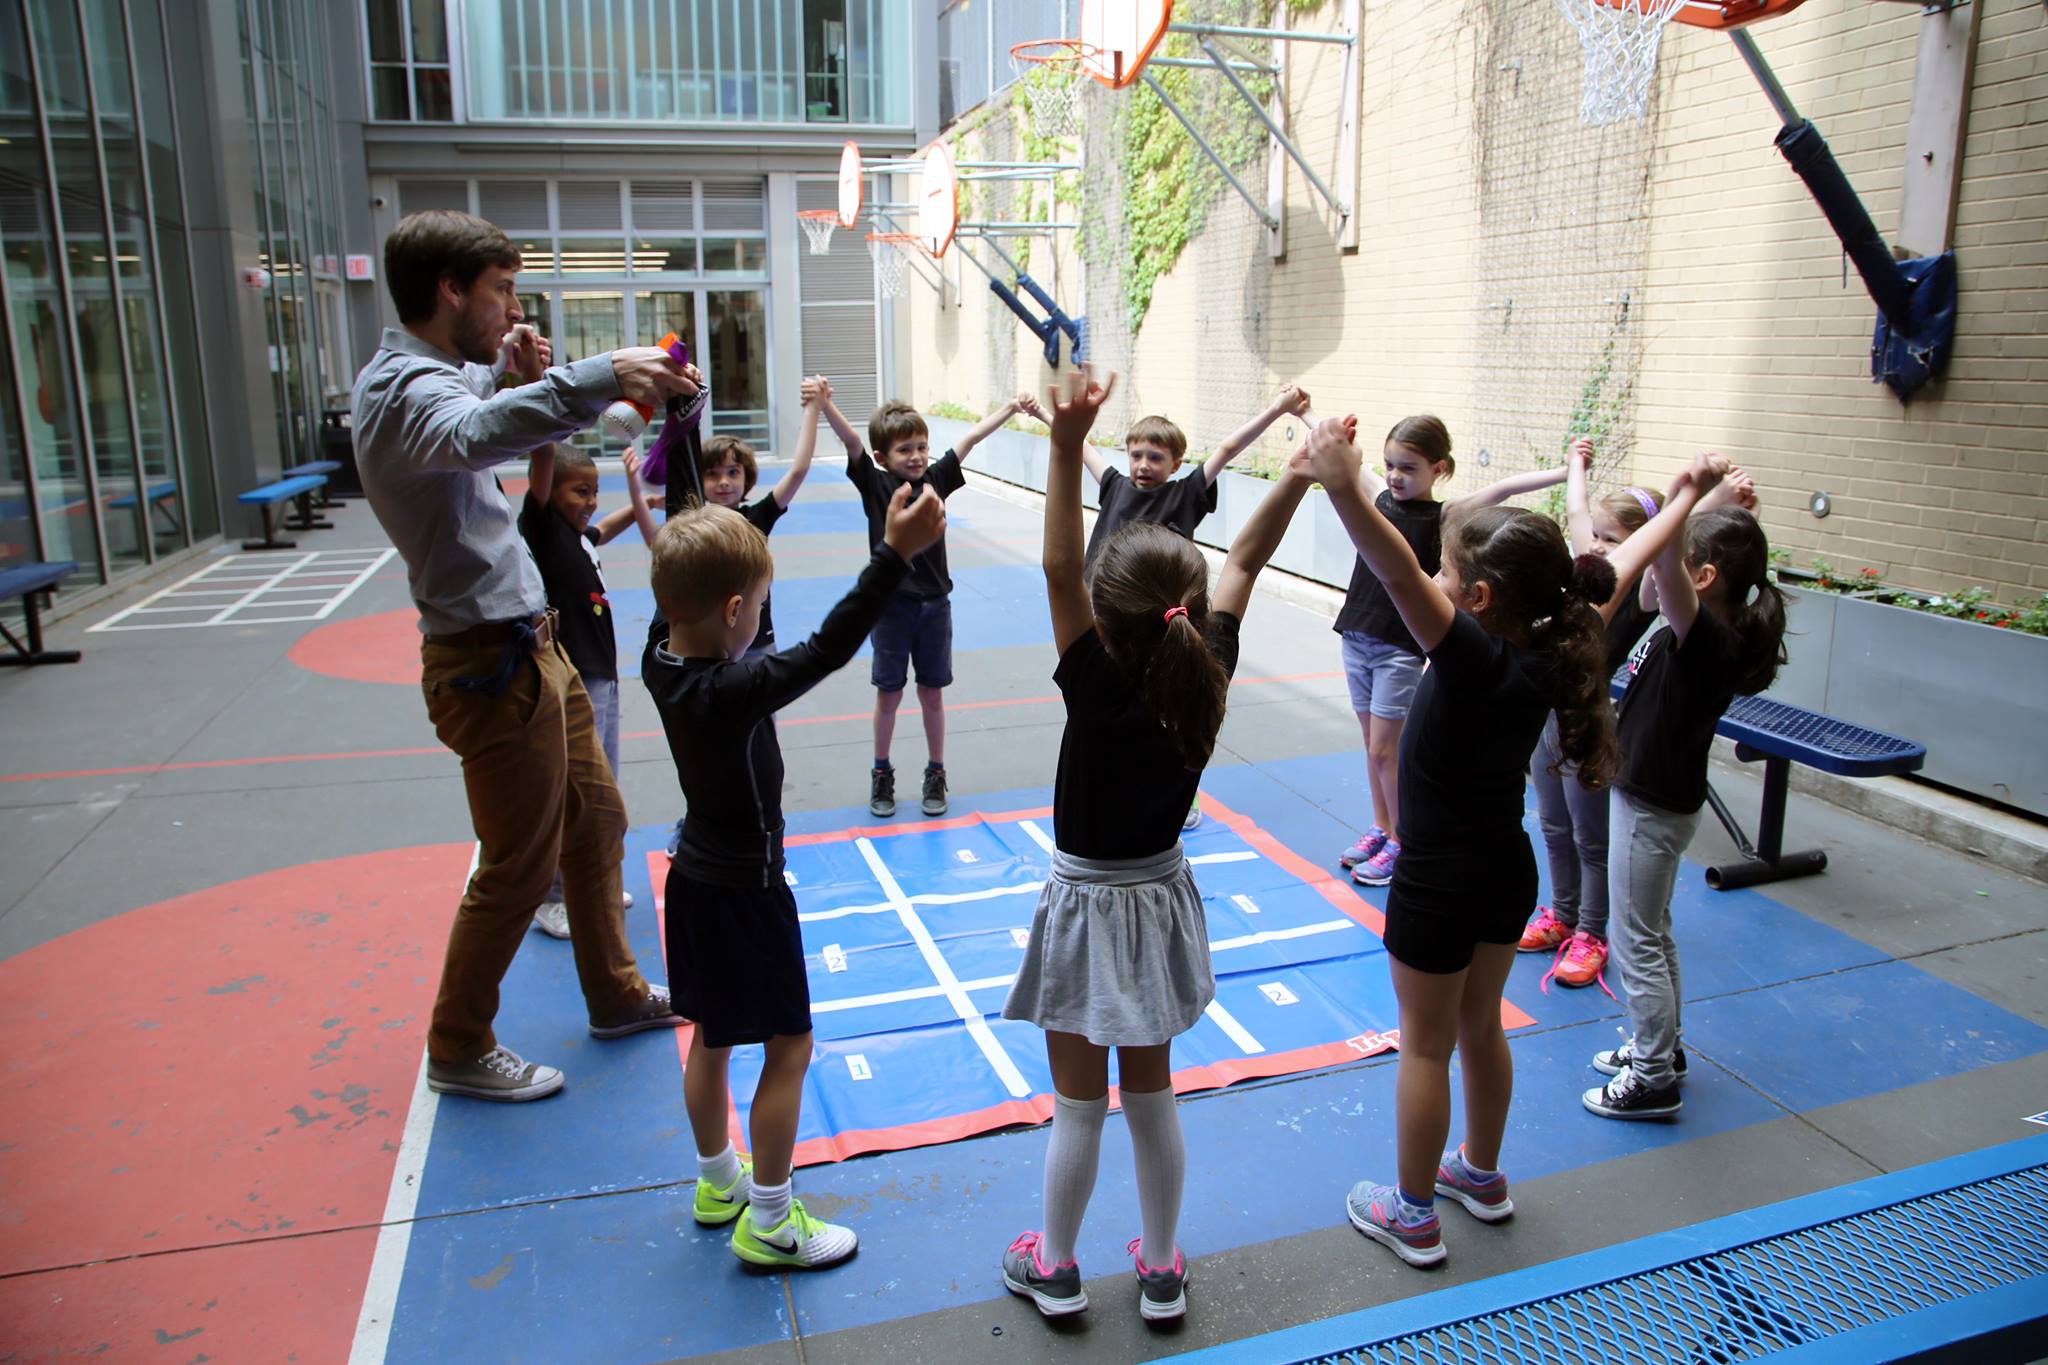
(799, 1242)
(716, 1207)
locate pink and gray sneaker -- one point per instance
(1375, 1210)
(1368, 844)
(1378, 870)
(1055, 1289)
(1162, 1292)
(1487, 1200)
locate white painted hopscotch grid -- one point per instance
(254, 590)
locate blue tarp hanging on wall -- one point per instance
(1904, 356)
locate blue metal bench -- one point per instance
(156, 495)
(1782, 734)
(270, 496)
(325, 497)
(32, 582)
(1947, 1261)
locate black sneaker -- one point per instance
(1628, 1096)
(934, 790)
(882, 792)
(1614, 1061)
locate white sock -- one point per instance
(770, 1206)
(1162, 1161)
(1070, 1159)
(720, 1170)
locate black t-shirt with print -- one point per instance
(928, 575)
(575, 588)
(1122, 789)
(1478, 711)
(762, 515)
(1676, 697)
(1367, 606)
(1178, 503)
(1629, 624)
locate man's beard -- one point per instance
(475, 342)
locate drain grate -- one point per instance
(1765, 1296)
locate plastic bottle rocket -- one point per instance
(626, 420)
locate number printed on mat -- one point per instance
(857, 1065)
(1279, 994)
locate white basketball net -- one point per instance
(889, 268)
(1620, 46)
(819, 230)
(1053, 91)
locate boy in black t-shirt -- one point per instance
(735, 950)
(1152, 493)
(918, 626)
(561, 499)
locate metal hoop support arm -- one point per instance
(1286, 143)
(1271, 223)
(1277, 34)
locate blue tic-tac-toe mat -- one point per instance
(911, 941)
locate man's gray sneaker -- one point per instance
(655, 1011)
(1162, 1292)
(1055, 1289)
(500, 1074)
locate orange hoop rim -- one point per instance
(1063, 51)
(898, 239)
(833, 214)
(1719, 14)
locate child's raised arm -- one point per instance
(1513, 485)
(986, 428)
(1260, 537)
(1292, 399)
(1578, 508)
(817, 392)
(1076, 399)
(855, 447)
(1423, 607)
(641, 511)
(1664, 537)
(540, 474)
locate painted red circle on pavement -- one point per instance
(384, 648)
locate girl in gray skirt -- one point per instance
(1119, 951)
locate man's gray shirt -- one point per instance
(426, 436)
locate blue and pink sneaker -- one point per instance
(1378, 870)
(1375, 1210)
(1487, 1200)
(1368, 844)
(1162, 1291)
(1056, 1289)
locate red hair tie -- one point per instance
(1172, 612)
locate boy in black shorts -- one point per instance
(1156, 448)
(735, 952)
(917, 629)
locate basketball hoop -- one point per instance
(888, 250)
(818, 225)
(1050, 71)
(1619, 42)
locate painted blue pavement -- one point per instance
(1817, 1019)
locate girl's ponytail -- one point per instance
(1730, 539)
(1150, 592)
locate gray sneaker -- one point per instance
(881, 792)
(1055, 1289)
(552, 919)
(934, 791)
(655, 1011)
(500, 1074)
(1162, 1292)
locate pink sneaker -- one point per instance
(1368, 844)
(1544, 933)
(1378, 870)
(1585, 957)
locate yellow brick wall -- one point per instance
(1751, 344)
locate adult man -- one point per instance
(500, 692)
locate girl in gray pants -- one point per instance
(1723, 636)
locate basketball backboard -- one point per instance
(849, 184)
(1120, 36)
(938, 200)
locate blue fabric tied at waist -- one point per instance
(518, 646)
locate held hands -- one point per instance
(1293, 398)
(816, 391)
(1075, 399)
(1333, 451)
(914, 525)
(649, 376)
(1708, 469)
(1582, 453)
(1027, 403)
(1736, 490)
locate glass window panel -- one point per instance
(735, 361)
(388, 96)
(17, 523)
(181, 329)
(536, 255)
(387, 32)
(735, 254)
(592, 323)
(145, 23)
(825, 71)
(664, 255)
(593, 256)
(434, 98)
(429, 31)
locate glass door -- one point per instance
(587, 323)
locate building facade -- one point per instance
(194, 195)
